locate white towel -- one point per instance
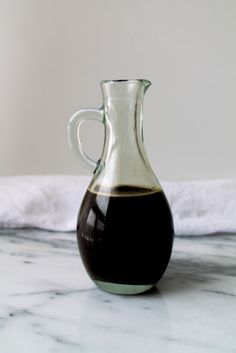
(52, 203)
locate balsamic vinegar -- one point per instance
(125, 236)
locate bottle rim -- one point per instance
(119, 81)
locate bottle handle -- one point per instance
(73, 131)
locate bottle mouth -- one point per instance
(124, 88)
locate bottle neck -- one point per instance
(123, 117)
(124, 157)
(123, 101)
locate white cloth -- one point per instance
(52, 203)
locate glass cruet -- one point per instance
(124, 227)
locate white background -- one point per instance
(54, 53)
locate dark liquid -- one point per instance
(125, 237)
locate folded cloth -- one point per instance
(52, 203)
(202, 207)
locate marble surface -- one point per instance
(48, 304)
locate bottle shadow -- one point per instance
(188, 275)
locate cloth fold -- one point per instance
(52, 203)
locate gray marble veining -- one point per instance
(48, 304)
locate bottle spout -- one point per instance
(146, 84)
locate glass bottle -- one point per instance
(125, 228)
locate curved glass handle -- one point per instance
(73, 134)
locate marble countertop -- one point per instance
(48, 304)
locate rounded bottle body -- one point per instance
(125, 237)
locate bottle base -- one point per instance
(125, 289)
